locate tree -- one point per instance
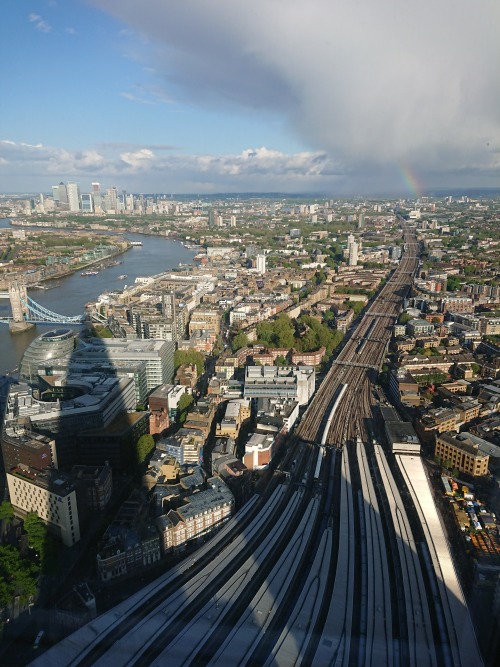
(18, 576)
(356, 306)
(189, 357)
(185, 402)
(36, 531)
(6, 511)
(320, 277)
(453, 283)
(239, 341)
(404, 318)
(284, 332)
(145, 445)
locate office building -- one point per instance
(293, 382)
(51, 494)
(158, 355)
(73, 197)
(87, 203)
(72, 406)
(54, 344)
(460, 451)
(63, 193)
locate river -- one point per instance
(156, 254)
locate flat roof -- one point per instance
(419, 485)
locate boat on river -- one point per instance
(89, 273)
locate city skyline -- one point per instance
(230, 97)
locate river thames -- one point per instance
(156, 254)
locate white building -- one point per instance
(73, 197)
(353, 254)
(259, 450)
(51, 495)
(261, 263)
(293, 382)
(158, 355)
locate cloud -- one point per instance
(159, 168)
(373, 83)
(39, 23)
(147, 94)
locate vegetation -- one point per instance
(41, 542)
(103, 332)
(276, 333)
(306, 334)
(239, 340)
(317, 335)
(189, 357)
(6, 511)
(185, 402)
(144, 447)
(18, 576)
(356, 306)
(432, 378)
(453, 283)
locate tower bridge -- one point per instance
(27, 310)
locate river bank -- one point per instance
(73, 291)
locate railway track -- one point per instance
(305, 575)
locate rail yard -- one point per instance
(342, 561)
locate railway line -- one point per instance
(324, 569)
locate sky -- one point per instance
(194, 96)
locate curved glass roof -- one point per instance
(50, 345)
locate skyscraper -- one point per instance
(353, 254)
(73, 197)
(96, 196)
(261, 263)
(63, 193)
(87, 203)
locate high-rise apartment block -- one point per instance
(353, 254)
(260, 263)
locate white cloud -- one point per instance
(39, 23)
(160, 168)
(373, 83)
(138, 159)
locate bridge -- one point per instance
(26, 309)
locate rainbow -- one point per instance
(410, 180)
